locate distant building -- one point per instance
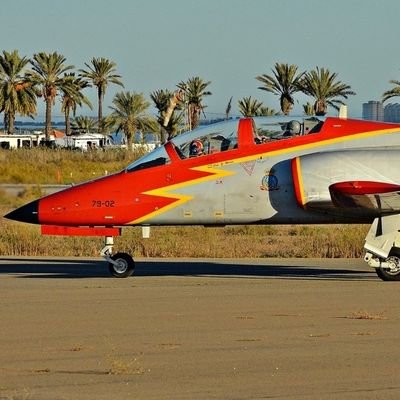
(373, 111)
(392, 112)
(26, 140)
(85, 142)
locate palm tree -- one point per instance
(194, 90)
(394, 92)
(249, 107)
(308, 109)
(265, 111)
(72, 97)
(166, 103)
(108, 124)
(324, 87)
(130, 115)
(17, 93)
(283, 83)
(83, 124)
(174, 127)
(48, 70)
(101, 72)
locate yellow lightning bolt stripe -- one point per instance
(215, 173)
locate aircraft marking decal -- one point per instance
(248, 166)
(269, 181)
(214, 173)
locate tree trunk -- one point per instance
(165, 134)
(100, 109)
(6, 118)
(194, 116)
(67, 122)
(47, 130)
(128, 136)
(286, 105)
(10, 127)
(320, 107)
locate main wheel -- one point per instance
(124, 265)
(392, 274)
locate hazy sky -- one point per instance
(158, 43)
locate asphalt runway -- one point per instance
(197, 329)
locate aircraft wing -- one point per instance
(377, 196)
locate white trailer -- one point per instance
(85, 142)
(18, 141)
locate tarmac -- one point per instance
(197, 329)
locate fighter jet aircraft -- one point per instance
(274, 170)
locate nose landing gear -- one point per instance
(120, 265)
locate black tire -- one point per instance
(386, 275)
(125, 265)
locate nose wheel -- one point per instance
(120, 265)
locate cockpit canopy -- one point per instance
(225, 136)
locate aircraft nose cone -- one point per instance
(27, 213)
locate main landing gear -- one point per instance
(388, 269)
(382, 246)
(120, 265)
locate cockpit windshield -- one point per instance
(283, 127)
(210, 139)
(224, 136)
(157, 157)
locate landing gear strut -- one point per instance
(120, 265)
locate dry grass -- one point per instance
(60, 166)
(364, 334)
(366, 315)
(76, 348)
(122, 366)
